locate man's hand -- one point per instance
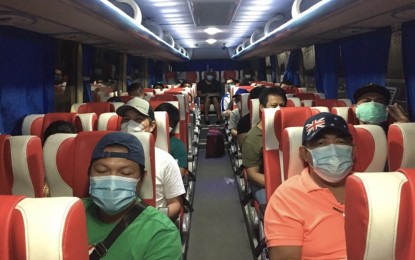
(396, 111)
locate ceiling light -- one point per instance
(212, 30)
(211, 41)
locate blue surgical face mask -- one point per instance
(209, 77)
(332, 162)
(112, 194)
(372, 112)
(132, 127)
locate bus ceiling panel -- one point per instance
(334, 20)
(92, 22)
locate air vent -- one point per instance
(355, 30)
(16, 19)
(75, 36)
(213, 13)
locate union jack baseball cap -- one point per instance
(323, 120)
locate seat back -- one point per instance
(293, 102)
(344, 112)
(305, 96)
(109, 122)
(50, 229)
(379, 215)
(22, 165)
(32, 124)
(330, 103)
(52, 117)
(7, 205)
(96, 107)
(226, 74)
(274, 122)
(68, 159)
(254, 111)
(371, 148)
(244, 104)
(162, 135)
(192, 76)
(401, 151)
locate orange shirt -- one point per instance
(301, 213)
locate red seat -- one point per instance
(305, 96)
(49, 228)
(96, 107)
(401, 150)
(229, 74)
(273, 124)
(22, 166)
(67, 159)
(379, 215)
(7, 206)
(330, 103)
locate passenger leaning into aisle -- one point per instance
(177, 148)
(252, 148)
(372, 106)
(138, 116)
(304, 218)
(236, 113)
(116, 174)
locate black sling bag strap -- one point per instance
(102, 247)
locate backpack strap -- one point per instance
(102, 247)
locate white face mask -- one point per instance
(209, 77)
(132, 127)
(332, 162)
(248, 76)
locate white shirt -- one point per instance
(169, 183)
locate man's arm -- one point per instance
(255, 176)
(175, 205)
(285, 253)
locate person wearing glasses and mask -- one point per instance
(304, 218)
(138, 116)
(372, 106)
(116, 173)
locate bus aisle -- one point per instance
(218, 229)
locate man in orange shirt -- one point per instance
(304, 218)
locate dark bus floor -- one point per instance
(218, 229)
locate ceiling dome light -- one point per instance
(212, 30)
(211, 41)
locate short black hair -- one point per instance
(59, 126)
(255, 92)
(134, 87)
(158, 85)
(263, 96)
(172, 111)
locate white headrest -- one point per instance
(295, 165)
(408, 133)
(103, 120)
(383, 191)
(147, 187)
(271, 141)
(44, 224)
(162, 140)
(254, 112)
(28, 121)
(57, 186)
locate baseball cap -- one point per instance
(240, 91)
(372, 88)
(138, 104)
(135, 149)
(322, 121)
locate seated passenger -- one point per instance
(372, 106)
(158, 85)
(177, 148)
(59, 126)
(244, 123)
(252, 147)
(226, 104)
(286, 84)
(137, 116)
(116, 173)
(236, 113)
(208, 90)
(136, 90)
(248, 77)
(304, 218)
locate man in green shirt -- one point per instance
(116, 174)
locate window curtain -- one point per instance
(365, 59)
(159, 71)
(151, 72)
(291, 71)
(261, 70)
(88, 53)
(408, 53)
(26, 73)
(327, 57)
(130, 70)
(273, 60)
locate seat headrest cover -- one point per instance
(320, 121)
(135, 149)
